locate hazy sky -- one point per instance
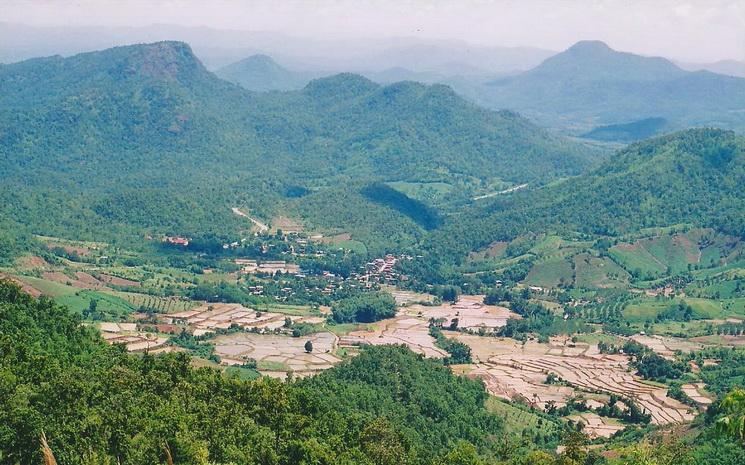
(697, 30)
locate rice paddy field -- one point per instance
(626, 282)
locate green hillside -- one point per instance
(142, 139)
(692, 177)
(96, 403)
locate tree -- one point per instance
(383, 444)
(308, 346)
(364, 308)
(733, 423)
(91, 312)
(464, 453)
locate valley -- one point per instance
(264, 266)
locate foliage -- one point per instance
(733, 421)
(98, 404)
(459, 351)
(688, 177)
(143, 140)
(364, 308)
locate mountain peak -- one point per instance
(258, 61)
(168, 60)
(261, 73)
(593, 46)
(343, 85)
(591, 60)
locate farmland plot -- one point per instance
(667, 346)
(597, 426)
(133, 340)
(412, 332)
(470, 312)
(513, 370)
(278, 354)
(209, 317)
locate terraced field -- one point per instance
(667, 346)
(410, 331)
(277, 354)
(210, 317)
(510, 370)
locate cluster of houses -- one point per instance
(382, 270)
(271, 267)
(177, 240)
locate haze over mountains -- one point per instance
(641, 96)
(217, 48)
(591, 85)
(728, 67)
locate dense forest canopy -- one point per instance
(96, 404)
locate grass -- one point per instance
(137, 300)
(423, 190)
(270, 365)
(518, 418)
(242, 373)
(550, 273)
(79, 299)
(647, 309)
(676, 252)
(494, 252)
(636, 257)
(677, 328)
(598, 272)
(594, 338)
(355, 246)
(343, 329)
(285, 309)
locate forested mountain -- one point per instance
(145, 138)
(694, 176)
(566, 91)
(261, 73)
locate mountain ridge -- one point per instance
(563, 92)
(687, 177)
(180, 144)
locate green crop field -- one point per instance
(550, 273)
(518, 418)
(636, 257)
(594, 272)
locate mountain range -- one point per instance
(217, 48)
(144, 138)
(591, 85)
(641, 96)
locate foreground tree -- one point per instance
(733, 423)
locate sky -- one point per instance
(692, 30)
